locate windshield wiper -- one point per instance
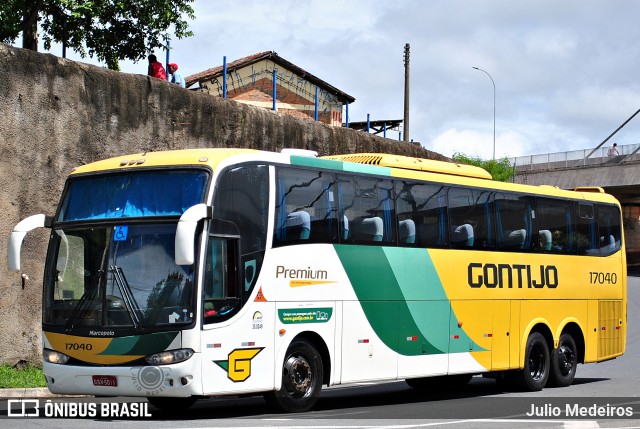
(87, 296)
(127, 295)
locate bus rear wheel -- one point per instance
(564, 362)
(537, 363)
(302, 374)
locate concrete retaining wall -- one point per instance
(57, 114)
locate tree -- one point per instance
(500, 169)
(111, 30)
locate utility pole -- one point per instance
(406, 93)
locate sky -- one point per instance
(564, 71)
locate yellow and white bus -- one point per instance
(186, 274)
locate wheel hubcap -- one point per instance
(566, 360)
(298, 376)
(536, 364)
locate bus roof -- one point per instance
(206, 156)
(460, 174)
(411, 163)
(373, 163)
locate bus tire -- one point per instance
(537, 363)
(302, 375)
(172, 404)
(564, 362)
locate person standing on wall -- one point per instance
(175, 76)
(613, 150)
(155, 68)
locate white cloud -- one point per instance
(554, 43)
(477, 144)
(565, 72)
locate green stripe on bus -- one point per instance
(330, 164)
(368, 169)
(139, 345)
(309, 161)
(402, 297)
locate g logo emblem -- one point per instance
(238, 366)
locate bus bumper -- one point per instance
(177, 380)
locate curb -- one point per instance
(30, 393)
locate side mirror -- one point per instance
(186, 230)
(17, 236)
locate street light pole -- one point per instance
(494, 109)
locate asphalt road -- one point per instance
(611, 387)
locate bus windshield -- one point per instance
(117, 276)
(132, 194)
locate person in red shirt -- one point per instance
(156, 69)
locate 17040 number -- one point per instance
(78, 346)
(599, 278)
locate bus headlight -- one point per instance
(171, 356)
(53, 356)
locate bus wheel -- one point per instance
(564, 362)
(301, 379)
(172, 404)
(536, 363)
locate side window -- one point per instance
(221, 294)
(305, 207)
(366, 210)
(241, 202)
(609, 229)
(242, 197)
(514, 222)
(470, 219)
(586, 235)
(70, 270)
(422, 214)
(555, 225)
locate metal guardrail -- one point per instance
(576, 158)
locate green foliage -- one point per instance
(500, 169)
(21, 376)
(111, 30)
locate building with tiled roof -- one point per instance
(250, 80)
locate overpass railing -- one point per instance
(575, 158)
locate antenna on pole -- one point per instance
(406, 92)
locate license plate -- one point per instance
(105, 380)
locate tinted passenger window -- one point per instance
(555, 225)
(422, 214)
(305, 207)
(470, 219)
(609, 230)
(514, 221)
(586, 236)
(242, 199)
(366, 209)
